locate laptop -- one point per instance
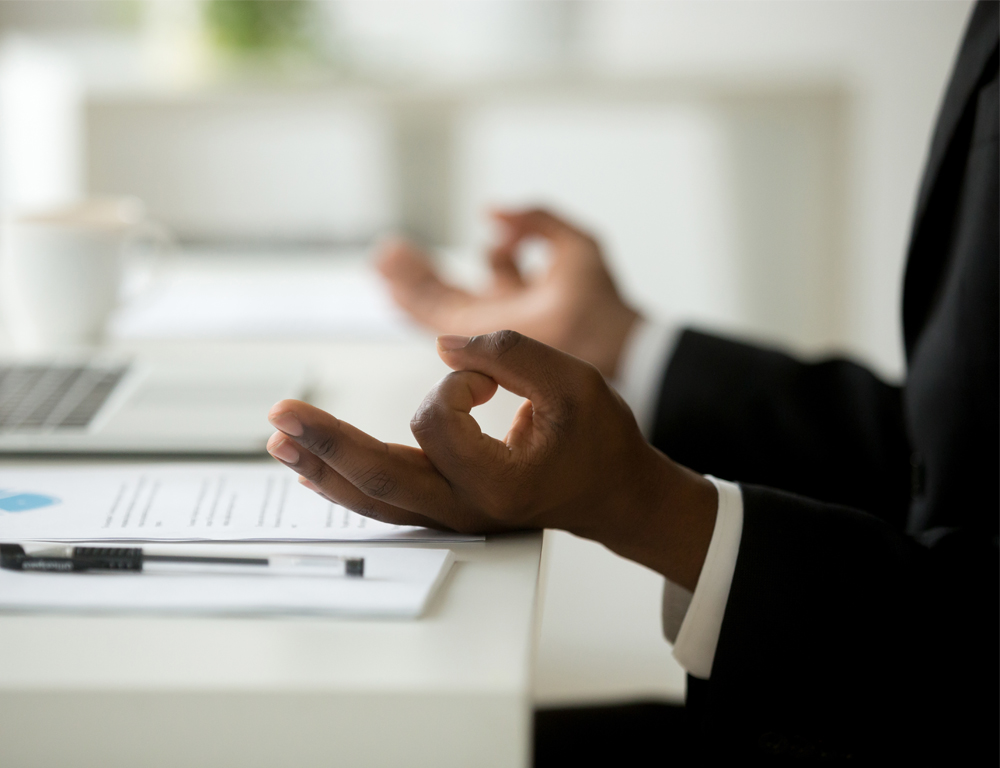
(140, 406)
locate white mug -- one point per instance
(61, 270)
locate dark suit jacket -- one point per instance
(863, 613)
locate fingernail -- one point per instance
(450, 343)
(287, 424)
(283, 450)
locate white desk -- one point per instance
(450, 689)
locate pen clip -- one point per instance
(14, 558)
(11, 556)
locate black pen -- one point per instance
(71, 559)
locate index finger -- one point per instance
(519, 364)
(450, 436)
(535, 221)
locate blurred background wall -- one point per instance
(748, 165)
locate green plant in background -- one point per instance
(259, 27)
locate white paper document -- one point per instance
(398, 583)
(183, 502)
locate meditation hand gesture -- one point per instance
(574, 306)
(574, 459)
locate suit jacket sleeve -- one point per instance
(839, 619)
(862, 617)
(829, 430)
(812, 573)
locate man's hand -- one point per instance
(574, 459)
(574, 306)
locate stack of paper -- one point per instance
(397, 583)
(183, 502)
(232, 509)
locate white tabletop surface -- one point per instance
(452, 688)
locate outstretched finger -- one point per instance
(319, 477)
(398, 475)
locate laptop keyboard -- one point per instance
(42, 398)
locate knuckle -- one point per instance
(324, 445)
(499, 343)
(433, 414)
(366, 508)
(317, 473)
(377, 483)
(424, 419)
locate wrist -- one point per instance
(665, 522)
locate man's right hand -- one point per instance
(574, 459)
(574, 306)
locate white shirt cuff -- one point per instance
(644, 359)
(699, 615)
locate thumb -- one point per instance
(517, 363)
